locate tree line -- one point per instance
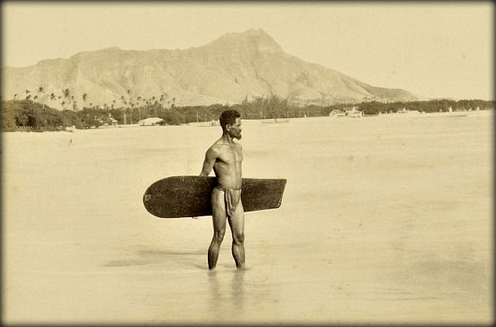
(22, 115)
(69, 101)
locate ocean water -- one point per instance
(384, 220)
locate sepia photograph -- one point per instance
(247, 163)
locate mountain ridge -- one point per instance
(229, 69)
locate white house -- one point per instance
(152, 121)
(408, 112)
(354, 113)
(337, 113)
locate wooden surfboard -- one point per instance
(189, 196)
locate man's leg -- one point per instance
(237, 224)
(219, 224)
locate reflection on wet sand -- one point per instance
(226, 294)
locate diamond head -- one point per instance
(230, 69)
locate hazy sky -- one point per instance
(435, 49)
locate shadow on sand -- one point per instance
(161, 257)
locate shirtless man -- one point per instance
(225, 157)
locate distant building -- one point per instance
(108, 121)
(408, 112)
(354, 113)
(336, 113)
(152, 121)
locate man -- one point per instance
(225, 157)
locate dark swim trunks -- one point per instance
(229, 200)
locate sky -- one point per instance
(433, 49)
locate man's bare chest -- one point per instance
(231, 155)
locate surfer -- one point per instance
(225, 157)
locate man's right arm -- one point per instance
(208, 163)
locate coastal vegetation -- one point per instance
(29, 115)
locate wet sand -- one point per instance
(384, 221)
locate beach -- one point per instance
(383, 221)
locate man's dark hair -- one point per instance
(228, 117)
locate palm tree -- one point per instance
(162, 100)
(40, 91)
(124, 103)
(66, 92)
(85, 96)
(15, 96)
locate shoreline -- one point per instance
(268, 121)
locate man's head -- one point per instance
(230, 121)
